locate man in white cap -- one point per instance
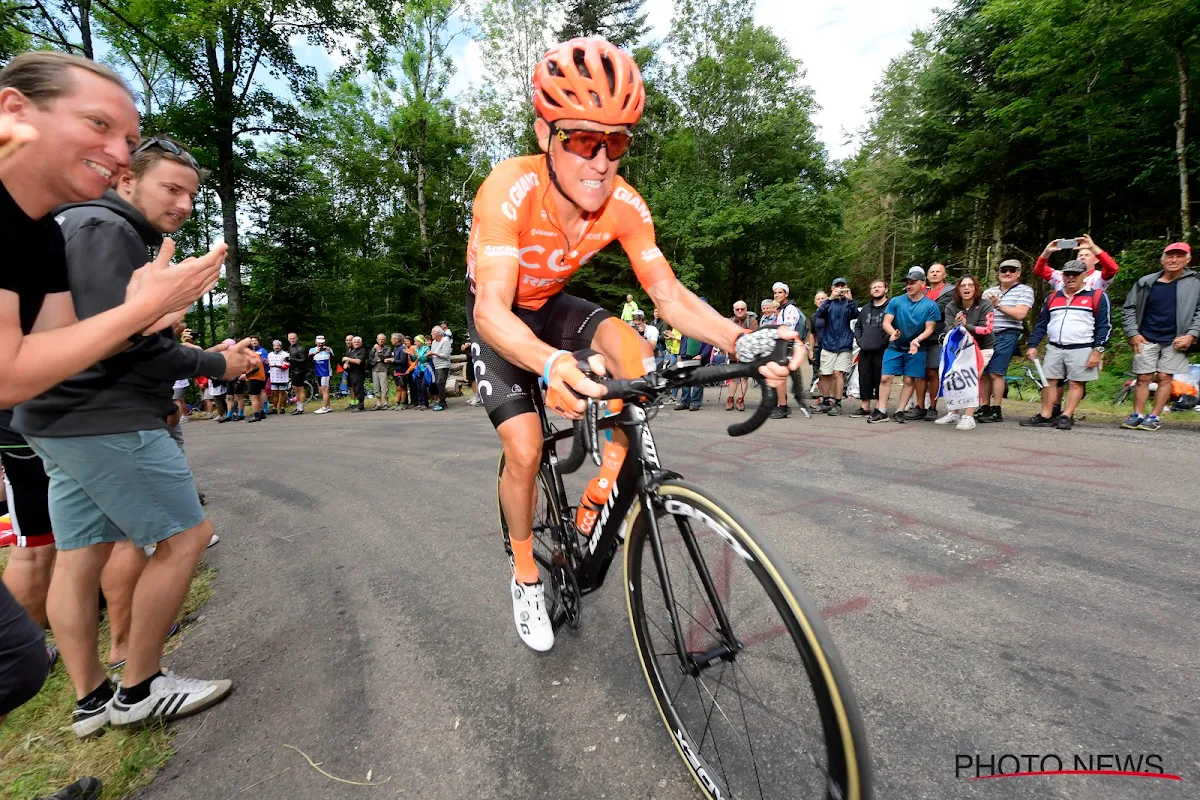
(792, 317)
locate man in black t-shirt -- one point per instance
(298, 371)
(72, 159)
(355, 364)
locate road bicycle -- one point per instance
(739, 662)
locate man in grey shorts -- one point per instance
(1161, 317)
(116, 476)
(1075, 323)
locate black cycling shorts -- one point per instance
(565, 322)
(254, 387)
(28, 489)
(236, 386)
(23, 661)
(298, 377)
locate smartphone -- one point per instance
(1068, 244)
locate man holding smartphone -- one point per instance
(1089, 253)
(837, 343)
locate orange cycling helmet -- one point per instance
(588, 79)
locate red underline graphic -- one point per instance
(1116, 773)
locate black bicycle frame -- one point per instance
(638, 475)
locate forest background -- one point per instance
(346, 201)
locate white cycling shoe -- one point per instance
(529, 613)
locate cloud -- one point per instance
(844, 48)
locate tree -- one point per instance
(224, 50)
(622, 22)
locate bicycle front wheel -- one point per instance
(757, 703)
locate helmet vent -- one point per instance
(555, 70)
(610, 72)
(580, 64)
(550, 99)
(596, 100)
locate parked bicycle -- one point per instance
(739, 662)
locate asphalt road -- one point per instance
(1005, 590)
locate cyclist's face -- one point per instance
(589, 182)
(937, 274)
(780, 296)
(1087, 257)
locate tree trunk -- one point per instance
(998, 255)
(1185, 211)
(85, 27)
(233, 273)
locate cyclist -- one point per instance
(537, 219)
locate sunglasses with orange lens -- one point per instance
(586, 144)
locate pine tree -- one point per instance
(622, 22)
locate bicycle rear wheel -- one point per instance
(765, 708)
(554, 570)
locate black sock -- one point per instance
(138, 692)
(102, 694)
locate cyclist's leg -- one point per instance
(507, 394)
(27, 574)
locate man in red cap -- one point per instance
(1162, 320)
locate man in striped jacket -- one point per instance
(1076, 323)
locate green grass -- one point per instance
(39, 754)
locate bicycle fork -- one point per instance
(690, 663)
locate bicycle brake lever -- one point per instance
(591, 419)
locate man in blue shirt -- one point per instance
(321, 357)
(908, 321)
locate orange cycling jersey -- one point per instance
(515, 235)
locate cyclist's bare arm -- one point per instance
(60, 346)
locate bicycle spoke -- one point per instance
(690, 614)
(749, 740)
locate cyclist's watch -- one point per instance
(1098, 349)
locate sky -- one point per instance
(844, 46)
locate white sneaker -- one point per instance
(215, 538)
(90, 721)
(323, 410)
(950, 418)
(965, 424)
(171, 697)
(529, 612)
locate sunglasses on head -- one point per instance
(167, 146)
(586, 144)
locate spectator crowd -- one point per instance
(936, 335)
(403, 373)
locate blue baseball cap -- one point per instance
(842, 281)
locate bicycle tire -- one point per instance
(1122, 395)
(813, 660)
(546, 548)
